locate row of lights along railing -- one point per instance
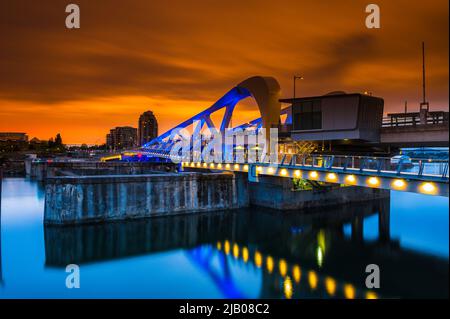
(331, 177)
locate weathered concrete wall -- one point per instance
(83, 199)
(277, 193)
(43, 170)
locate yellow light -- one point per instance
(211, 165)
(235, 251)
(371, 295)
(270, 170)
(313, 279)
(226, 247)
(331, 177)
(428, 188)
(351, 179)
(227, 166)
(313, 175)
(283, 267)
(205, 165)
(219, 165)
(258, 259)
(373, 181)
(198, 164)
(287, 287)
(182, 164)
(245, 254)
(192, 164)
(349, 291)
(245, 167)
(399, 184)
(236, 166)
(330, 286)
(297, 173)
(259, 169)
(269, 264)
(297, 273)
(283, 172)
(219, 245)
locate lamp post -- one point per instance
(297, 77)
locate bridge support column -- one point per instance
(358, 229)
(384, 221)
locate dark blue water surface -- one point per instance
(254, 253)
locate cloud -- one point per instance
(196, 50)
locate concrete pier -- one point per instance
(84, 199)
(41, 170)
(277, 193)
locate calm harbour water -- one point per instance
(252, 253)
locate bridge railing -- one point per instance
(379, 165)
(413, 119)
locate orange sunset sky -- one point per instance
(177, 57)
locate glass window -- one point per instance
(308, 115)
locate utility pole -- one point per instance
(424, 105)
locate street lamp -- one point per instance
(297, 77)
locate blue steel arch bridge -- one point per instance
(421, 176)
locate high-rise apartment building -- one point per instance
(148, 127)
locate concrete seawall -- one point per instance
(42, 170)
(84, 199)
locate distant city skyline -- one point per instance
(180, 58)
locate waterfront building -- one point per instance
(121, 137)
(147, 127)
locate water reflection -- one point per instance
(289, 255)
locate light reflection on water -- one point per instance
(244, 254)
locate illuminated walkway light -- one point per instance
(219, 165)
(332, 177)
(427, 188)
(398, 184)
(198, 164)
(314, 175)
(227, 166)
(219, 245)
(297, 173)
(259, 169)
(211, 165)
(236, 166)
(270, 170)
(351, 179)
(246, 168)
(373, 181)
(205, 165)
(283, 172)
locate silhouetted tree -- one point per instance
(58, 140)
(51, 143)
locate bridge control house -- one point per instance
(334, 121)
